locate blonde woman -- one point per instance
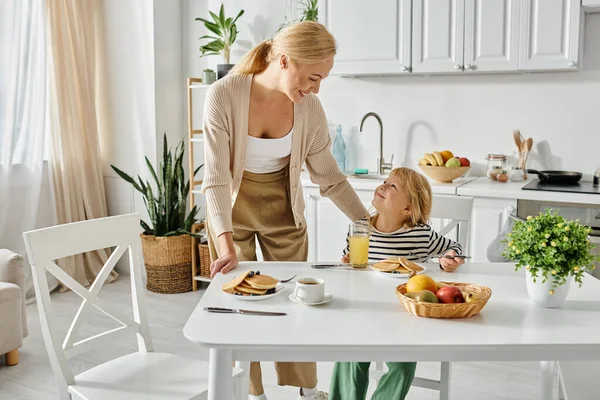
(262, 122)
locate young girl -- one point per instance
(399, 229)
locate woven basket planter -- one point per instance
(168, 263)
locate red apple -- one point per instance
(450, 294)
(464, 161)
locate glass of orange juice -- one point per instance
(359, 243)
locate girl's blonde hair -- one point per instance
(305, 42)
(418, 191)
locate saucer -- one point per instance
(327, 299)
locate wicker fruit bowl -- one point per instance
(440, 310)
(443, 174)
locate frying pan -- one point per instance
(558, 177)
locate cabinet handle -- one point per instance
(467, 66)
(572, 64)
(456, 67)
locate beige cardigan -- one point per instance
(225, 135)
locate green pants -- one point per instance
(350, 381)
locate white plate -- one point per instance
(278, 290)
(327, 299)
(397, 276)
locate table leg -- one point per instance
(244, 382)
(549, 375)
(220, 383)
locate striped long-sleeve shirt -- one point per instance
(416, 244)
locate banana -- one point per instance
(431, 159)
(438, 158)
(469, 297)
(423, 161)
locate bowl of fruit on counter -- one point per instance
(424, 297)
(443, 166)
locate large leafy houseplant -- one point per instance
(167, 203)
(223, 34)
(551, 248)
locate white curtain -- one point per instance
(26, 200)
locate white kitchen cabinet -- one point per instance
(372, 39)
(486, 222)
(491, 35)
(438, 35)
(550, 32)
(327, 225)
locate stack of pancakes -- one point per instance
(251, 283)
(398, 265)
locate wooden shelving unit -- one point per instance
(194, 137)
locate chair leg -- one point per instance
(241, 386)
(12, 357)
(445, 381)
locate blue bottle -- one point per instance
(339, 149)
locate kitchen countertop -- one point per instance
(483, 187)
(371, 184)
(479, 187)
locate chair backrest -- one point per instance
(458, 210)
(45, 246)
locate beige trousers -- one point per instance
(263, 212)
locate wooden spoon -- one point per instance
(517, 137)
(529, 144)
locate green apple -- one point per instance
(453, 163)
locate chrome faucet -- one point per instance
(383, 166)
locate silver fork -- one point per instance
(287, 280)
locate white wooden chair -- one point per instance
(458, 210)
(144, 374)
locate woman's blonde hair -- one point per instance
(418, 191)
(305, 42)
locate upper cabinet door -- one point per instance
(491, 35)
(438, 33)
(372, 38)
(550, 34)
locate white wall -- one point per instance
(471, 115)
(129, 119)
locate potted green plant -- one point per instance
(223, 35)
(166, 242)
(554, 252)
(309, 11)
(208, 76)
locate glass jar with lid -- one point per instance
(495, 164)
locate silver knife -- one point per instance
(240, 311)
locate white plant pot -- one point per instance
(539, 292)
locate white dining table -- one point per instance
(366, 322)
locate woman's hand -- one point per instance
(223, 264)
(451, 264)
(345, 259)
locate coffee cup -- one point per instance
(310, 290)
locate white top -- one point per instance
(268, 155)
(365, 320)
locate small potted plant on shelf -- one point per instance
(166, 241)
(554, 252)
(309, 11)
(223, 35)
(208, 76)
